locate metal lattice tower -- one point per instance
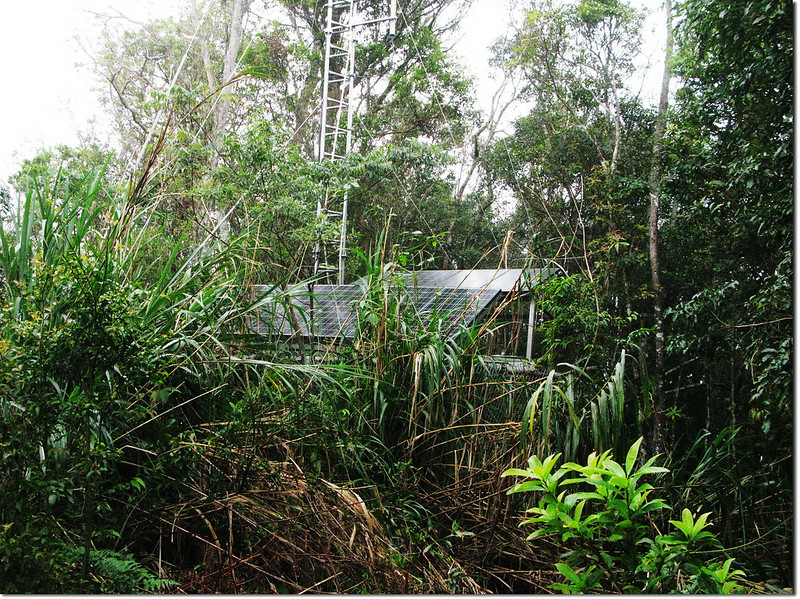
(336, 125)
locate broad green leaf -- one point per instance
(619, 482)
(583, 495)
(633, 453)
(517, 472)
(568, 572)
(652, 470)
(702, 522)
(531, 485)
(579, 510)
(615, 468)
(656, 504)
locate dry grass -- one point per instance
(290, 532)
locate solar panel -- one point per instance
(332, 313)
(331, 310)
(452, 305)
(328, 312)
(504, 279)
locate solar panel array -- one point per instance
(452, 305)
(503, 279)
(330, 311)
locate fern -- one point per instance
(120, 573)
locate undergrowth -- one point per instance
(149, 435)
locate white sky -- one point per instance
(46, 100)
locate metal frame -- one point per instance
(334, 140)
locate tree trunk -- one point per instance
(221, 108)
(222, 116)
(659, 423)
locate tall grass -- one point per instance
(107, 361)
(561, 417)
(418, 364)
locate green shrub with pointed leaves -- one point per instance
(602, 513)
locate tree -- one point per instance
(410, 184)
(408, 90)
(727, 254)
(220, 111)
(66, 168)
(730, 269)
(576, 58)
(654, 182)
(578, 164)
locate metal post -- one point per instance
(531, 324)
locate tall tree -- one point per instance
(727, 260)
(654, 183)
(578, 163)
(577, 57)
(408, 90)
(731, 191)
(220, 112)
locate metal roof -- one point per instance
(502, 279)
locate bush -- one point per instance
(612, 543)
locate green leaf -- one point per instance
(652, 470)
(633, 453)
(616, 469)
(531, 485)
(619, 482)
(655, 504)
(568, 573)
(583, 495)
(517, 472)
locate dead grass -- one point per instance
(290, 532)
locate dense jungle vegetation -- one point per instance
(152, 441)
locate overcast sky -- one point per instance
(46, 100)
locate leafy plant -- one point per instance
(115, 572)
(565, 416)
(606, 525)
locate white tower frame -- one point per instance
(335, 139)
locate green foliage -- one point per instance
(133, 393)
(725, 230)
(572, 326)
(118, 573)
(607, 528)
(409, 185)
(428, 97)
(280, 188)
(728, 266)
(66, 170)
(414, 360)
(92, 365)
(39, 560)
(576, 217)
(565, 412)
(735, 173)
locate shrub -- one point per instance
(602, 511)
